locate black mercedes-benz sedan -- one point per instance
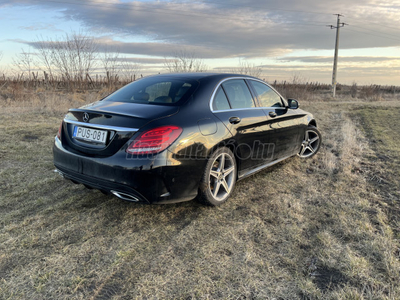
(175, 137)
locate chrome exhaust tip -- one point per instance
(59, 173)
(125, 196)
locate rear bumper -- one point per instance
(103, 185)
(159, 179)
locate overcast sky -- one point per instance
(285, 38)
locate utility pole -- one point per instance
(336, 53)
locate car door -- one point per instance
(234, 105)
(283, 123)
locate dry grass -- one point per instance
(324, 228)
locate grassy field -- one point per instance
(323, 228)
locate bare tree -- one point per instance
(1, 70)
(183, 61)
(129, 70)
(45, 56)
(109, 60)
(298, 87)
(73, 56)
(24, 63)
(247, 68)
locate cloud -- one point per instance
(142, 60)
(346, 74)
(240, 29)
(144, 48)
(234, 29)
(40, 26)
(329, 59)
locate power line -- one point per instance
(374, 23)
(392, 35)
(386, 37)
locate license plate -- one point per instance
(90, 134)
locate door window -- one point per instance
(267, 96)
(238, 94)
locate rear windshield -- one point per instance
(159, 91)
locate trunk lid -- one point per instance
(103, 127)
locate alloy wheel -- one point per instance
(222, 176)
(310, 144)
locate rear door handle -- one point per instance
(272, 114)
(234, 120)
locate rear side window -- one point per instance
(220, 100)
(238, 93)
(266, 95)
(159, 91)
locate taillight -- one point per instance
(59, 131)
(154, 140)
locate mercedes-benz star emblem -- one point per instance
(85, 117)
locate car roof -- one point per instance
(201, 75)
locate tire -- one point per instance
(219, 178)
(311, 142)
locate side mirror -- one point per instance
(293, 104)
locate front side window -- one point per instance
(159, 91)
(238, 93)
(267, 96)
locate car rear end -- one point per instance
(119, 145)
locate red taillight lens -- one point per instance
(59, 131)
(154, 140)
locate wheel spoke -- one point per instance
(311, 149)
(221, 162)
(303, 149)
(228, 171)
(225, 185)
(214, 173)
(314, 139)
(217, 186)
(306, 136)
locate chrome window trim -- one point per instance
(215, 91)
(247, 108)
(99, 126)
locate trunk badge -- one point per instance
(85, 117)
